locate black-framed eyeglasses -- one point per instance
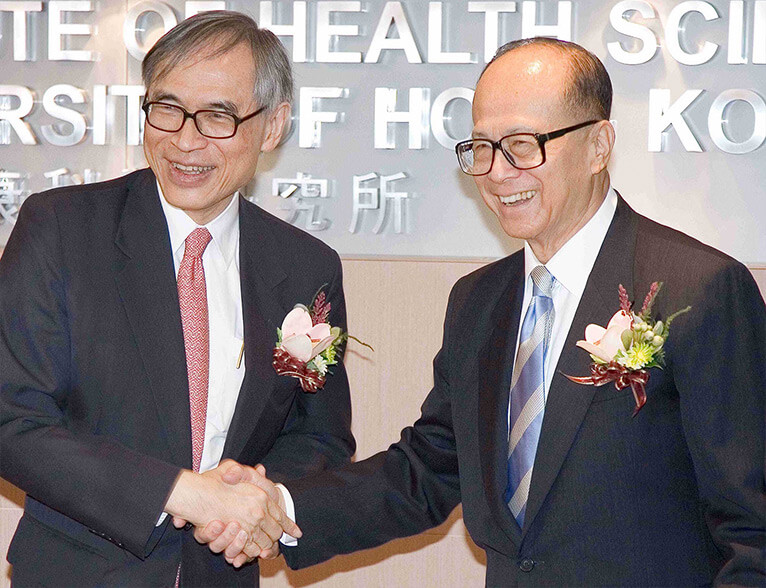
(214, 124)
(522, 150)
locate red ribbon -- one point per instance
(286, 365)
(603, 373)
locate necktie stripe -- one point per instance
(519, 499)
(532, 408)
(527, 348)
(527, 381)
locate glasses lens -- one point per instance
(475, 157)
(523, 149)
(165, 117)
(216, 124)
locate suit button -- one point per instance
(526, 565)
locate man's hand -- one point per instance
(224, 538)
(242, 505)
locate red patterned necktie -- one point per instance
(192, 296)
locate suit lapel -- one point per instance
(147, 287)
(495, 368)
(260, 274)
(568, 402)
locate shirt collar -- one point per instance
(571, 265)
(224, 228)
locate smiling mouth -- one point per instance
(517, 197)
(192, 169)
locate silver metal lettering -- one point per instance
(417, 117)
(436, 54)
(716, 120)
(51, 103)
(673, 30)
(12, 118)
(663, 115)
(20, 12)
(297, 30)
(58, 29)
(619, 19)
(130, 27)
(310, 120)
(393, 15)
(561, 30)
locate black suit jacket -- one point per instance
(673, 496)
(94, 404)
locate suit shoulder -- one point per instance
(74, 198)
(492, 276)
(693, 273)
(664, 246)
(486, 283)
(289, 236)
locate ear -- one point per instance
(601, 146)
(275, 127)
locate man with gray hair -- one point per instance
(137, 322)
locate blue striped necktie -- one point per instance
(528, 392)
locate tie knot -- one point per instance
(543, 281)
(196, 242)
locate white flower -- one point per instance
(320, 364)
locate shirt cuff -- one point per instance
(285, 539)
(162, 518)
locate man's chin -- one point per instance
(183, 199)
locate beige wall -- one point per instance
(397, 306)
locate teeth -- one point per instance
(192, 169)
(518, 196)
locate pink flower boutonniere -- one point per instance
(629, 345)
(307, 345)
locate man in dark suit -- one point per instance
(137, 322)
(560, 484)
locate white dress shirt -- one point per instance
(224, 303)
(570, 266)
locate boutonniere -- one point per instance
(307, 345)
(628, 347)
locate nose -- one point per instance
(502, 169)
(188, 138)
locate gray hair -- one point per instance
(589, 89)
(217, 32)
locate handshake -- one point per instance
(235, 509)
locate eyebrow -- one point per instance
(165, 96)
(224, 105)
(513, 131)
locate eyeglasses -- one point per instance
(214, 124)
(522, 150)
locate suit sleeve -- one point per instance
(317, 433)
(403, 491)
(719, 366)
(112, 490)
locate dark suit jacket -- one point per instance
(674, 496)
(94, 403)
